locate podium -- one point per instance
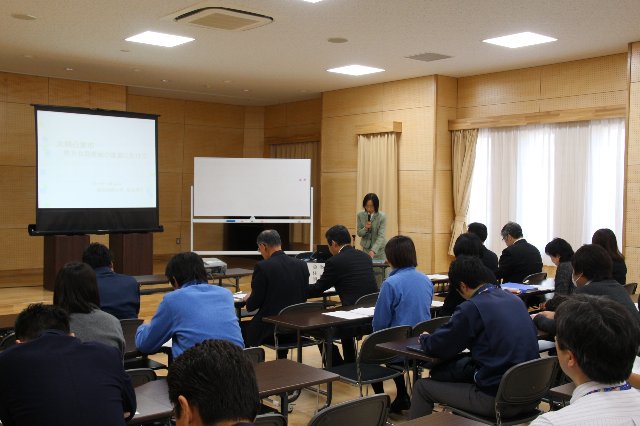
(132, 253)
(58, 250)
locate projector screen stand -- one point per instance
(58, 250)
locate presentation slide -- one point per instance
(89, 161)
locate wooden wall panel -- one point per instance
(165, 242)
(4, 86)
(446, 91)
(633, 118)
(410, 93)
(69, 93)
(254, 117)
(276, 133)
(443, 137)
(339, 200)
(206, 236)
(339, 141)
(18, 146)
(275, 116)
(108, 96)
(253, 146)
(170, 147)
(596, 75)
(634, 61)
(499, 88)
(210, 141)
(591, 100)
(27, 89)
(441, 260)
(169, 110)
(358, 100)
(170, 194)
(632, 213)
(499, 109)
(99, 238)
(415, 144)
(304, 112)
(424, 250)
(415, 205)
(443, 202)
(18, 200)
(210, 114)
(187, 182)
(19, 250)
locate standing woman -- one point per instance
(371, 227)
(606, 239)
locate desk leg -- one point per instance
(328, 353)
(237, 284)
(284, 405)
(299, 344)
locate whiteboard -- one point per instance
(259, 187)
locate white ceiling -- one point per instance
(286, 60)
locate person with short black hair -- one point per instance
(591, 275)
(606, 239)
(213, 383)
(350, 271)
(370, 227)
(405, 299)
(561, 253)
(597, 344)
(520, 258)
(76, 291)
(489, 258)
(193, 312)
(494, 325)
(119, 293)
(278, 281)
(51, 377)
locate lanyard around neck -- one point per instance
(623, 387)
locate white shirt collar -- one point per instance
(587, 387)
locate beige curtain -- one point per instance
(464, 155)
(299, 233)
(378, 173)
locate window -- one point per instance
(556, 180)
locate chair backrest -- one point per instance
(140, 376)
(369, 410)
(255, 354)
(525, 384)
(367, 299)
(129, 328)
(429, 325)
(298, 307)
(536, 278)
(8, 341)
(370, 354)
(631, 287)
(271, 419)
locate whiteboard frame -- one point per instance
(193, 220)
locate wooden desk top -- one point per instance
(442, 419)
(151, 279)
(562, 392)
(399, 347)
(7, 321)
(153, 402)
(284, 375)
(314, 320)
(233, 273)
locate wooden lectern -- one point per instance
(58, 250)
(132, 253)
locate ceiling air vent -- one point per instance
(223, 18)
(428, 57)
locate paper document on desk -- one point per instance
(364, 311)
(346, 314)
(438, 277)
(237, 297)
(330, 290)
(168, 344)
(437, 303)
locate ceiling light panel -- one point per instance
(159, 39)
(520, 40)
(355, 70)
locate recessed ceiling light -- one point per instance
(245, 90)
(337, 40)
(355, 70)
(159, 39)
(520, 40)
(28, 56)
(227, 81)
(125, 50)
(136, 70)
(23, 17)
(68, 69)
(164, 80)
(312, 1)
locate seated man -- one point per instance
(489, 258)
(597, 344)
(213, 383)
(119, 293)
(520, 258)
(350, 271)
(494, 325)
(51, 378)
(193, 312)
(278, 281)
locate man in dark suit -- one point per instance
(50, 377)
(278, 281)
(350, 271)
(119, 293)
(520, 258)
(489, 258)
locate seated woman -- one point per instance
(76, 290)
(606, 239)
(466, 244)
(405, 299)
(561, 254)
